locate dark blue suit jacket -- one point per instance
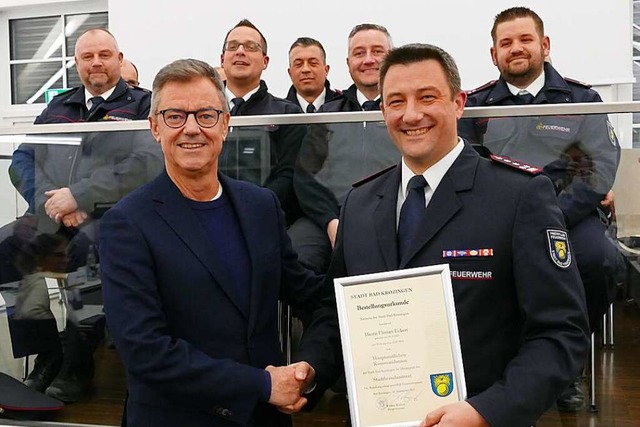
(523, 328)
(192, 355)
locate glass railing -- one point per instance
(49, 273)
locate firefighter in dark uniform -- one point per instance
(264, 155)
(333, 156)
(308, 70)
(579, 153)
(519, 302)
(71, 185)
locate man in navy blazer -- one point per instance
(193, 265)
(519, 300)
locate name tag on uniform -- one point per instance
(471, 275)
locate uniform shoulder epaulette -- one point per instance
(372, 176)
(67, 93)
(516, 164)
(483, 87)
(141, 88)
(577, 82)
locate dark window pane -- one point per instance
(78, 24)
(29, 80)
(42, 38)
(35, 38)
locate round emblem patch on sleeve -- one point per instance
(559, 252)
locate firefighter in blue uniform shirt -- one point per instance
(579, 153)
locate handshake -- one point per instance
(288, 385)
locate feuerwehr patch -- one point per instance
(559, 251)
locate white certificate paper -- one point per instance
(400, 343)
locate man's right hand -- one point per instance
(287, 387)
(332, 230)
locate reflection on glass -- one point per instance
(579, 153)
(337, 155)
(265, 155)
(327, 160)
(98, 169)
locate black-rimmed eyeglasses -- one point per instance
(233, 45)
(205, 117)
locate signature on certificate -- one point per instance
(396, 399)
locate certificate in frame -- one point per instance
(401, 345)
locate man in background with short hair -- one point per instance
(308, 70)
(333, 156)
(69, 186)
(244, 58)
(579, 152)
(129, 73)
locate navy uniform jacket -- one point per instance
(330, 94)
(523, 329)
(333, 156)
(193, 356)
(265, 155)
(579, 153)
(104, 167)
(124, 104)
(345, 101)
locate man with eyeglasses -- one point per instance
(263, 155)
(193, 265)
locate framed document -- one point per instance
(401, 345)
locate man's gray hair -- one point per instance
(186, 70)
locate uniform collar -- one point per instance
(435, 173)
(104, 95)
(553, 82)
(535, 86)
(230, 95)
(362, 98)
(316, 102)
